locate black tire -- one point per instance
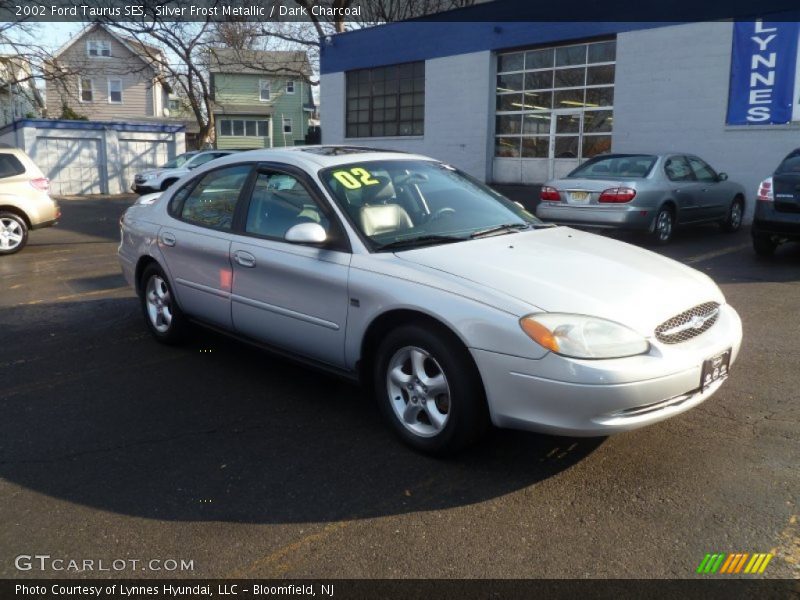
(733, 220)
(171, 332)
(167, 183)
(13, 233)
(467, 416)
(764, 244)
(663, 226)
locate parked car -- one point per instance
(777, 216)
(455, 305)
(25, 202)
(167, 174)
(645, 192)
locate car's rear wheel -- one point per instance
(163, 316)
(663, 226)
(733, 220)
(13, 233)
(429, 390)
(764, 244)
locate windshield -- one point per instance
(178, 161)
(617, 166)
(417, 202)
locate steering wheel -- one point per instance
(441, 213)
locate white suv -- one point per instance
(160, 179)
(25, 202)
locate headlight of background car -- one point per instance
(150, 175)
(579, 336)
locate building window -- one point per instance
(290, 87)
(555, 102)
(386, 101)
(264, 90)
(98, 48)
(174, 104)
(115, 91)
(244, 127)
(287, 125)
(86, 89)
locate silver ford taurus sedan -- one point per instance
(453, 304)
(646, 192)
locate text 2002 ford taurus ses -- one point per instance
(455, 305)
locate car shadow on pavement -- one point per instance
(96, 413)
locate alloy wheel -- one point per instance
(419, 391)
(159, 304)
(11, 234)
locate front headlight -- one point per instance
(149, 176)
(580, 336)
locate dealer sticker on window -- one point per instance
(354, 178)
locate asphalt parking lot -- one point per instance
(115, 447)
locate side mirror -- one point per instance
(722, 176)
(306, 233)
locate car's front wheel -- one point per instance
(167, 183)
(764, 244)
(429, 390)
(161, 312)
(13, 233)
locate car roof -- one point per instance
(327, 156)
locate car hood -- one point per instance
(564, 270)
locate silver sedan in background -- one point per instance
(645, 192)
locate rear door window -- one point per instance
(10, 165)
(677, 169)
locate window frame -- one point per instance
(244, 122)
(338, 239)
(290, 91)
(175, 210)
(524, 95)
(100, 46)
(262, 85)
(81, 89)
(283, 126)
(108, 87)
(398, 96)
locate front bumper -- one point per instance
(611, 216)
(140, 188)
(575, 397)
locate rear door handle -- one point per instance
(244, 258)
(168, 239)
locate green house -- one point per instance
(262, 99)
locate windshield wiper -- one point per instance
(506, 227)
(423, 240)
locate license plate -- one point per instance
(579, 196)
(715, 368)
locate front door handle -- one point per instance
(245, 259)
(168, 239)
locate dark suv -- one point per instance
(777, 216)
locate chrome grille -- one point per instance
(688, 324)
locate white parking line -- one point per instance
(716, 254)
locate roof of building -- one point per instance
(263, 62)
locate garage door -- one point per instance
(74, 165)
(140, 155)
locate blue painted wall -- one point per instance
(410, 41)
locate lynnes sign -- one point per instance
(762, 73)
